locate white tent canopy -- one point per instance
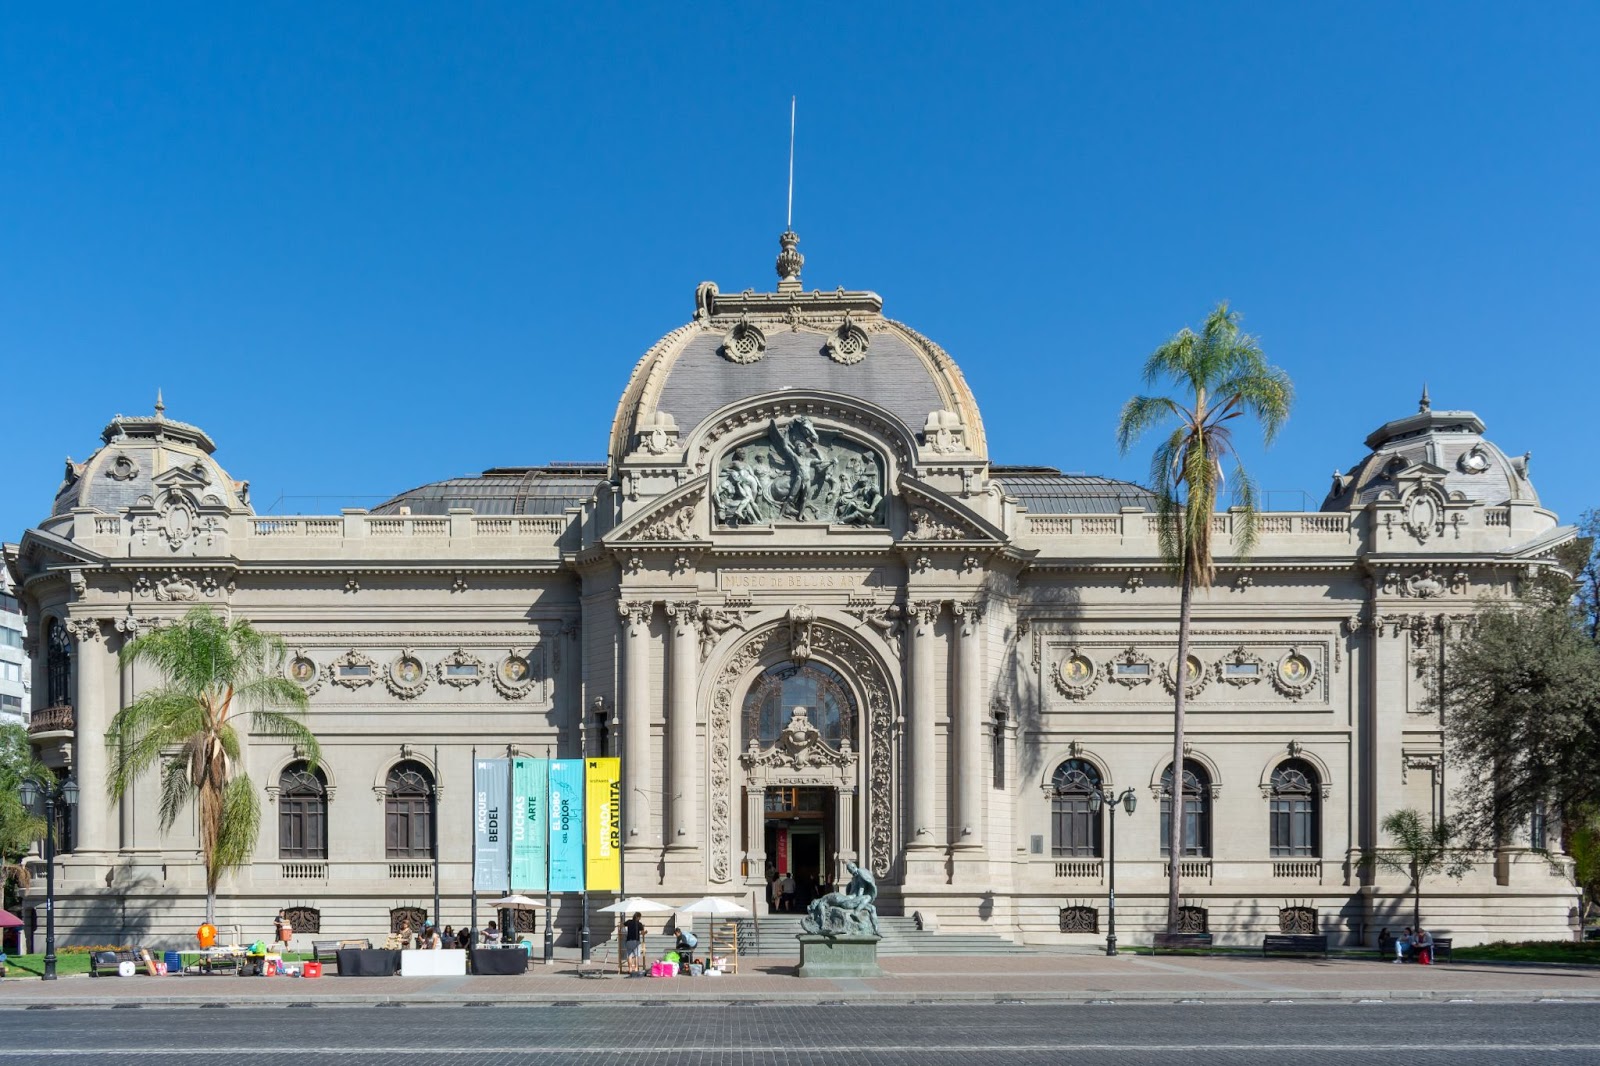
(715, 906)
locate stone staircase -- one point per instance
(776, 937)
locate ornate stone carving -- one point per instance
(1424, 513)
(968, 615)
(848, 344)
(635, 613)
(1295, 674)
(744, 342)
(943, 433)
(518, 674)
(1240, 667)
(925, 525)
(675, 522)
(178, 588)
(799, 747)
(302, 670)
(86, 630)
(406, 677)
(1198, 675)
(798, 473)
(722, 715)
(658, 433)
(888, 619)
(1134, 583)
(790, 261)
(714, 622)
(460, 669)
(352, 670)
(122, 468)
(1076, 675)
(800, 622)
(1131, 668)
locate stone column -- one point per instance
(683, 822)
(923, 708)
(125, 695)
(844, 834)
(967, 728)
(92, 713)
(634, 718)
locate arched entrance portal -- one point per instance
(801, 756)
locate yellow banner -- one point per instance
(603, 791)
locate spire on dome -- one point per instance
(160, 407)
(1425, 404)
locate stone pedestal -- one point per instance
(838, 956)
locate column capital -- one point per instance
(969, 613)
(925, 611)
(86, 630)
(635, 614)
(685, 615)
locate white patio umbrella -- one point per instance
(714, 907)
(514, 902)
(635, 905)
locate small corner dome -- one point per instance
(137, 450)
(1451, 442)
(748, 344)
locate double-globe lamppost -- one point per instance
(65, 793)
(1110, 801)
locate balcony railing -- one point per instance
(410, 871)
(1298, 869)
(1081, 869)
(1198, 869)
(304, 871)
(57, 719)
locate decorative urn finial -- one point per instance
(1425, 404)
(789, 260)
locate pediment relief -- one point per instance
(932, 516)
(799, 472)
(674, 517)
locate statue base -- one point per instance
(838, 956)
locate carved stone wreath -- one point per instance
(1295, 674)
(1239, 678)
(1131, 656)
(406, 676)
(513, 676)
(353, 670)
(744, 342)
(848, 344)
(302, 670)
(1198, 675)
(1076, 675)
(460, 669)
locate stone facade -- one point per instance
(818, 626)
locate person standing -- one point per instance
(633, 943)
(774, 892)
(787, 898)
(284, 931)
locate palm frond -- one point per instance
(240, 824)
(176, 791)
(277, 724)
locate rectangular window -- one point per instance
(11, 672)
(9, 604)
(1537, 832)
(354, 670)
(12, 704)
(11, 638)
(461, 669)
(1132, 669)
(1240, 669)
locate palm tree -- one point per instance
(1221, 374)
(215, 672)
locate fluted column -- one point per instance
(755, 821)
(635, 718)
(683, 783)
(920, 742)
(967, 727)
(93, 715)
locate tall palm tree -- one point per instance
(214, 671)
(1220, 374)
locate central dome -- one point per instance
(751, 343)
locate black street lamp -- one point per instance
(30, 793)
(1109, 800)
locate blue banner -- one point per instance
(530, 786)
(491, 789)
(566, 825)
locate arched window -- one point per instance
(58, 665)
(302, 814)
(408, 807)
(1196, 810)
(1295, 797)
(817, 688)
(1074, 828)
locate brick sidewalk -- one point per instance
(1030, 978)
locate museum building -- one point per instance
(817, 625)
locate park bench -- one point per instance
(107, 963)
(1179, 941)
(1441, 950)
(1294, 944)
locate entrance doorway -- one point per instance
(799, 827)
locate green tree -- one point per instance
(1220, 374)
(215, 672)
(1422, 848)
(19, 827)
(1521, 693)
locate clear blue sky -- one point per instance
(367, 248)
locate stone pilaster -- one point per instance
(920, 760)
(92, 712)
(967, 728)
(634, 718)
(683, 786)
(755, 819)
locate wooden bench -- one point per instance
(1179, 941)
(1441, 950)
(109, 963)
(1294, 944)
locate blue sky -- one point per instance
(369, 247)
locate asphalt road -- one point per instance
(1279, 1034)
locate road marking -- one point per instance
(841, 1049)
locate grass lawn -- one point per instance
(31, 967)
(1567, 951)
